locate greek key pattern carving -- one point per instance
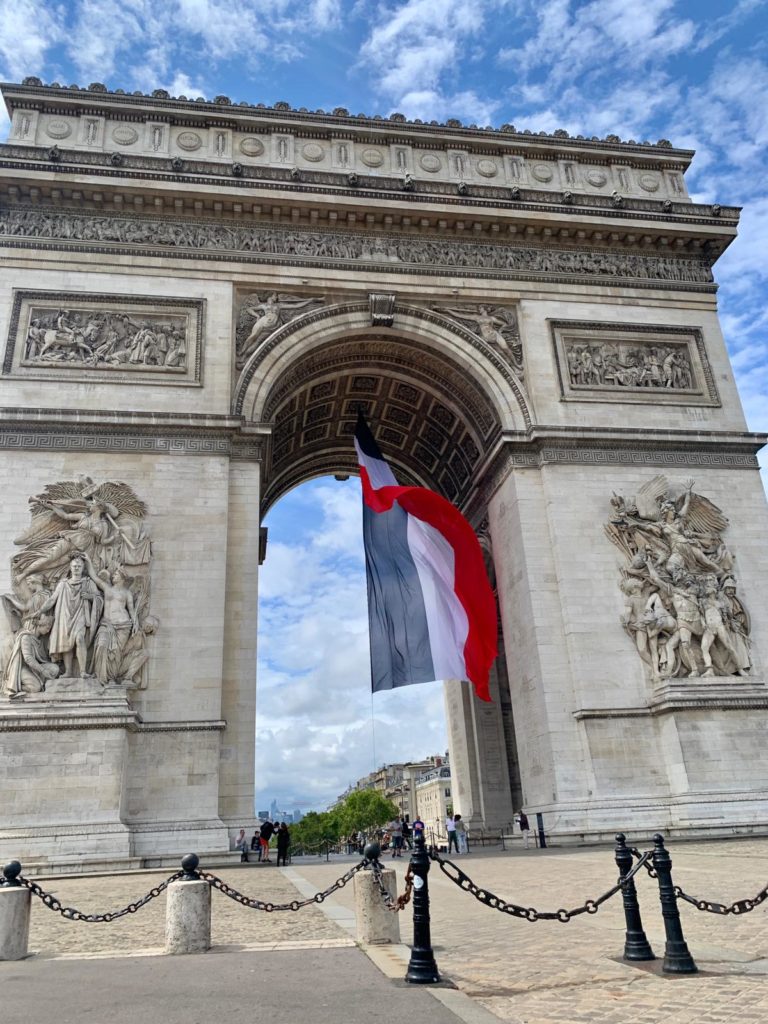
(127, 443)
(211, 240)
(606, 455)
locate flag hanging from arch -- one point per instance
(431, 610)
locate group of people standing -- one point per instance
(457, 834)
(261, 840)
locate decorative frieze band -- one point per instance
(203, 240)
(536, 454)
(155, 444)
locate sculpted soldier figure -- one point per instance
(77, 609)
(29, 667)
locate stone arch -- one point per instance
(440, 395)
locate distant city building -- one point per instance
(433, 797)
(263, 815)
(400, 783)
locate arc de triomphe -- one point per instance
(196, 297)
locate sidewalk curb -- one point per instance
(392, 959)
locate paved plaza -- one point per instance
(522, 972)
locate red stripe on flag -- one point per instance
(471, 584)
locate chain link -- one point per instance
(393, 903)
(528, 913)
(646, 858)
(738, 907)
(269, 908)
(71, 914)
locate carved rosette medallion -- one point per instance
(58, 129)
(190, 141)
(682, 608)
(78, 609)
(125, 135)
(251, 146)
(372, 157)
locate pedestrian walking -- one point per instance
(462, 844)
(266, 832)
(283, 842)
(450, 828)
(525, 828)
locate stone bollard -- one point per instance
(375, 922)
(15, 906)
(188, 911)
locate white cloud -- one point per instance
(413, 54)
(28, 30)
(314, 730)
(574, 39)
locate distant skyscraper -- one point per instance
(263, 815)
(273, 813)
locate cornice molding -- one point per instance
(569, 203)
(141, 433)
(543, 446)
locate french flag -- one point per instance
(431, 608)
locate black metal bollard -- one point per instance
(540, 830)
(422, 969)
(11, 873)
(189, 864)
(677, 956)
(636, 945)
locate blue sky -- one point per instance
(692, 71)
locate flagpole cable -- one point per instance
(373, 730)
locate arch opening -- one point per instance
(437, 404)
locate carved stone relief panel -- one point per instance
(609, 362)
(495, 325)
(260, 315)
(681, 603)
(74, 336)
(78, 608)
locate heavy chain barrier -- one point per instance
(737, 907)
(458, 877)
(393, 903)
(71, 914)
(254, 904)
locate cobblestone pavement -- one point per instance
(552, 973)
(232, 925)
(525, 973)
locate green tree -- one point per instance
(316, 828)
(365, 809)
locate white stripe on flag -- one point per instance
(446, 619)
(378, 471)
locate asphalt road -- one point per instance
(312, 986)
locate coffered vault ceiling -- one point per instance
(432, 422)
